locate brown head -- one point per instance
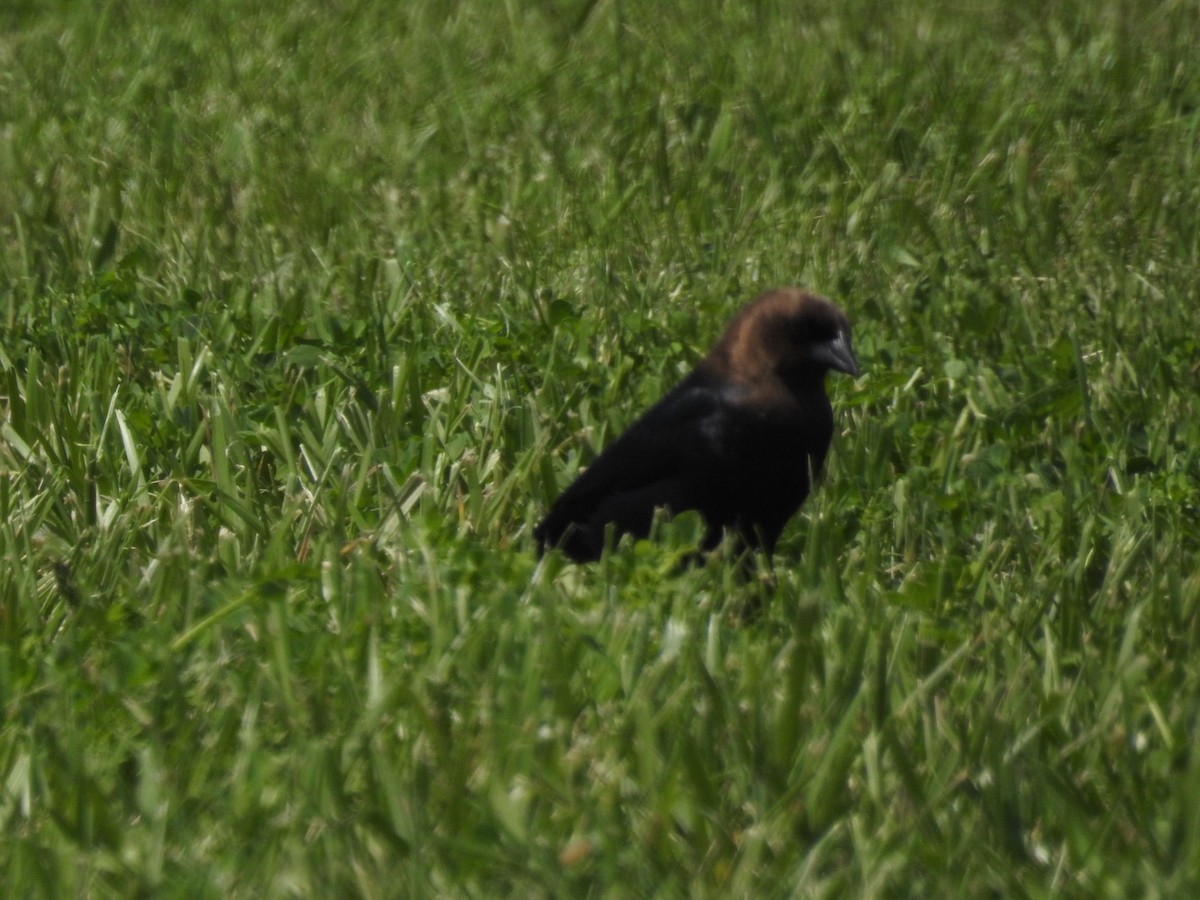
(786, 333)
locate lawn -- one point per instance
(309, 310)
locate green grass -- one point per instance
(308, 310)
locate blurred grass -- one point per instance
(308, 310)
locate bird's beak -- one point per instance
(837, 355)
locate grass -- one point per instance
(309, 310)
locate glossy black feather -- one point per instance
(738, 440)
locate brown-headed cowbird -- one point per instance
(738, 440)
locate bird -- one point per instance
(739, 439)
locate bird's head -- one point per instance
(787, 333)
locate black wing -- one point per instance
(672, 456)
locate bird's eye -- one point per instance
(809, 330)
(826, 331)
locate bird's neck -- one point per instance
(804, 380)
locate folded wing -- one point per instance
(671, 457)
